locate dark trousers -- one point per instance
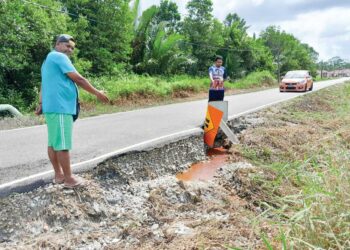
(216, 95)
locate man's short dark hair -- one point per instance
(218, 58)
(64, 38)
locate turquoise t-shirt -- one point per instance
(58, 91)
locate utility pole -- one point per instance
(278, 66)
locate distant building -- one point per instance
(334, 73)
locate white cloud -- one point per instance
(326, 31)
(257, 2)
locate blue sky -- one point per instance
(323, 24)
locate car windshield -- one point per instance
(296, 75)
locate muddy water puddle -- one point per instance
(205, 170)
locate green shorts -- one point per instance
(59, 129)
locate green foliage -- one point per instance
(26, 32)
(82, 65)
(289, 53)
(135, 10)
(242, 53)
(165, 57)
(203, 32)
(168, 12)
(143, 31)
(106, 39)
(157, 47)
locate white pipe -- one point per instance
(11, 109)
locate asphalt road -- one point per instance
(23, 151)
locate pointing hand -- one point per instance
(102, 97)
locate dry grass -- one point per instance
(307, 152)
(19, 122)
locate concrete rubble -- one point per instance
(134, 201)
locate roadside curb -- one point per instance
(32, 182)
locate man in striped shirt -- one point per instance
(217, 75)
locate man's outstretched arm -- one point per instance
(86, 85)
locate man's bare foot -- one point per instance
(74, 182)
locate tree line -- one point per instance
(113, 38)
(334, 63)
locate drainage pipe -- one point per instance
(10, 108)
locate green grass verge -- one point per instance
(137, 87)
(256, 79)
(318, 78)
(304, 148)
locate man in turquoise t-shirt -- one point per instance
(57, 101)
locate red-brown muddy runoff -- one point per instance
(205, 170)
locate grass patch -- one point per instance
(135, 87)
(135, 91)
(256, 79)
(318, 78)
(303, 150)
